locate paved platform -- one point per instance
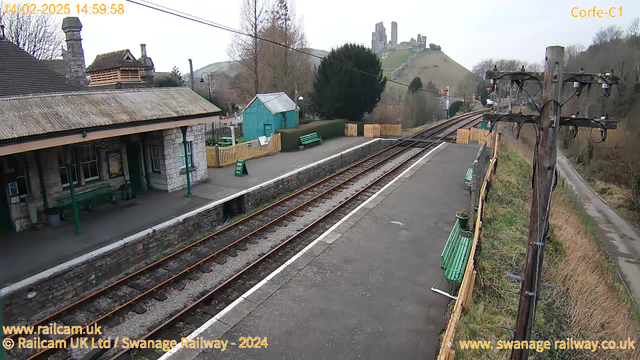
(362, 289)
(30, 252)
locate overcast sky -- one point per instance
(468, 31)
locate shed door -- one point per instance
(268, 130)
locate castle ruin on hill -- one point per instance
(379, 43)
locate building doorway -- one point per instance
(135, 173)
(5, 215)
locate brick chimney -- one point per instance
(149, 70)
(74, 55)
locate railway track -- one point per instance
(320, 204)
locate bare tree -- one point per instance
(608, 34)
(247, 50)
(481, 68)
(634, 28)
(286, 65)
(571, 53)
(39, 35)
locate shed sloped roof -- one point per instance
(51, 113)
(276, 102)
(114, 60)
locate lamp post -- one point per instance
(296, 100)
(208, 82)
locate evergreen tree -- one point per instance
(342, 92)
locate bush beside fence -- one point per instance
(327, 129)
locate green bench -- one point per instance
(456, 253)
(87, 198)
(468, 177)
(310, 139)
(225, 141)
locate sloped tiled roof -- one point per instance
(114, 60)
(25, 116)
(59, 66)
(277, 102)
(22, 74)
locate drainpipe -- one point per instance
(186, 158)
(74, 203)
(147, 169)
(43, 189)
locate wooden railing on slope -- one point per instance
(466, 288)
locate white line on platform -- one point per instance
(122, 243)
(211, 321)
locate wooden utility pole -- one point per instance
(544, 179)
(543, 183)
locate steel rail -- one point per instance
(273, 250)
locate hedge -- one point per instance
(327, 129)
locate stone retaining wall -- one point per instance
(59, 287)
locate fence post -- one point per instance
(217, 152)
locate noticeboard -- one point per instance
(241, 168)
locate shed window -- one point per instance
(62, 168)
(189, 155)
(89, 162)
(156, 157)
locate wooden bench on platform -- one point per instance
(455, 253)
(87, 198)
(310, 139)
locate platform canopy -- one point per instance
(39, 121)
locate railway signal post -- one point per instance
(544, 175)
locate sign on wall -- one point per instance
(114, 162)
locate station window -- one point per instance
(17, 177)
(62, 168)
(89, 162)
(156, 157)
(189, 155)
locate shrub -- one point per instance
(327, 129)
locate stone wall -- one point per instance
(175, 173)
(61, 288)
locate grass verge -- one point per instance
(587, 302)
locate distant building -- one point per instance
(380, 45)
(379, 38)
(394, 33)
(268, 113)
(118, 69)
(56, 133)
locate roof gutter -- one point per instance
(85, 131)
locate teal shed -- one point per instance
(268, 113)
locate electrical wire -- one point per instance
(202, 21)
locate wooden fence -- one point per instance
(225, 156)
(390, 130)
(351, 130)
(480, 135)
(377, 130)
(372, 130)
(465, 293)
(462, 136)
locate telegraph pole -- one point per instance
(544, 179)
(541, 200)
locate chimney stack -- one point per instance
(149, 69)
(74, 55)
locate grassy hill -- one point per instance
(429, 65)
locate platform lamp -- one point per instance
(208, 82)
(296, 97)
